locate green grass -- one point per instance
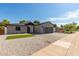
(18, 36)
(69, 32)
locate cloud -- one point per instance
(72, 14)
(67, 17)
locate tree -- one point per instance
(74, 23)
(23, 22)
(55, 25)
(5, 21)
(70, 28)
(1, 27)
(61, 26)
(36, 22)
(77, 28)
(0, 23)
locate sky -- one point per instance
(58, 13)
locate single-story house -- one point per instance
(46, 27)
(60, 29)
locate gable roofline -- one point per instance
(26, 24)
(30, 23)
(12, 25)
(17, 24)
(46, 22)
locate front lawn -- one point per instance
(18, 36)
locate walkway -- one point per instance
(66, 46)
(2, 37)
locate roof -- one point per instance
(12, 25)
(18, 24)
(46, 22)
(30, 23)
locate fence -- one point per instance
(1, 31)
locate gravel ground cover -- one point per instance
(27, 46)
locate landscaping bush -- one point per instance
(69, 32)
(1, 27)
(70, 28)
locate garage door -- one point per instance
(1, 31)
(48, 29)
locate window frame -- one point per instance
(18, 28)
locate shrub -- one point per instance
(69, 28)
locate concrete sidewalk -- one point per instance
(66, 46)
(2, 37)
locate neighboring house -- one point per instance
(61, 30)
(46, 27)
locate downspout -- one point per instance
(33, 29)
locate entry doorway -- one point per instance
(28, 29)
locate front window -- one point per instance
(18, 28)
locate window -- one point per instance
(18, 28)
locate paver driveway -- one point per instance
(27, 46)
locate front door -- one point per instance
(28, 29)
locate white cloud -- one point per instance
(66, 17)
(58, 18)
(72, 14)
